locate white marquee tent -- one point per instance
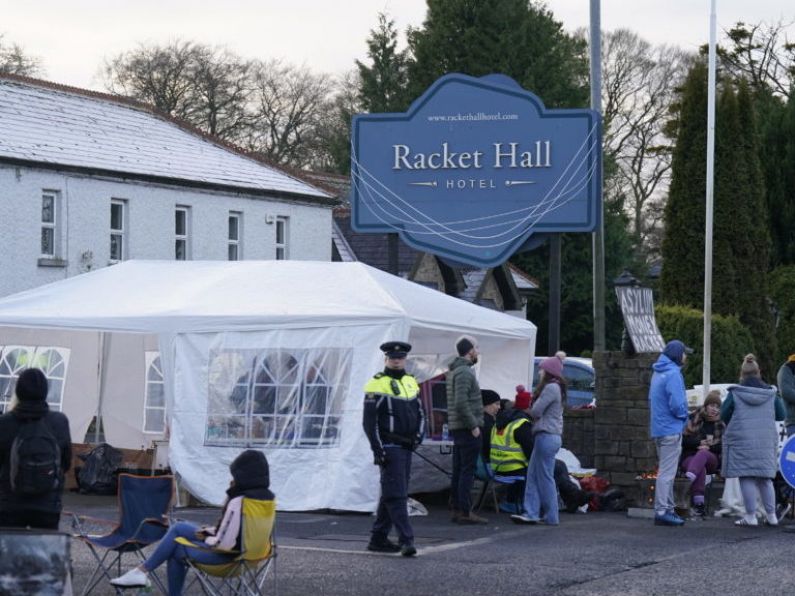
(261, 354)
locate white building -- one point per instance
(88, 179)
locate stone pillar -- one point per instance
(622, 446)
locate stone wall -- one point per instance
(578, 435)
(622, 447)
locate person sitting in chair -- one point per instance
(701, 448)
(250, 479)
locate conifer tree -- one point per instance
(683, 240)
(752, 251)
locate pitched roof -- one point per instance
(58, 126)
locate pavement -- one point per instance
(588, 554)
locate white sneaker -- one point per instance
(771, 519)
(134, 578)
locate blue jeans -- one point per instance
(540, 493)
(175, 554)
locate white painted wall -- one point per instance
(84, 218)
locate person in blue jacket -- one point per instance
(668, 407)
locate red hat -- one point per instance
(523, 398)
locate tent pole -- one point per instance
(103, 344)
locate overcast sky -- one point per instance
(72, 37)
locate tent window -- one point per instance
(52, 361)
(277, 398)
(155, 399)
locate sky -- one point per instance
(73, 37)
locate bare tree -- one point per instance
(220, 92)
(206, 86)
(14, 60)
(640, 82)
(331, 152)
(289, 104)
(157, 75)
(762, 54)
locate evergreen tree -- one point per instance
(729, 214)
(771, 121)
(384, 81)
(512, 37)
(752, 250)
(683, 240)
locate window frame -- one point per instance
(120, 233)
(282, 248)
(234, 243)
(34, 352)
(183, 238)
(153, 361)
(279, 399)
(54, 225)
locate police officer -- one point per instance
(394, 424)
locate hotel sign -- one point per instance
(474, 168)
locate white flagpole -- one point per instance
(710, 189)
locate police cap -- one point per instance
(395, 349)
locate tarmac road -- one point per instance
(597, 553)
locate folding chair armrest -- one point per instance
(148, 521)
(205, 547)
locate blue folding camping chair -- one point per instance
(144, 504)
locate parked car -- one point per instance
(580, 378)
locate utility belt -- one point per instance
(388, 438)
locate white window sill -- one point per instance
(52, 262)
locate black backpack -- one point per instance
(35, 462)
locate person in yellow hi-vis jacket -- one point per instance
(394, 423)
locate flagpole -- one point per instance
(709, 201)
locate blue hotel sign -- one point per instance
(474, 168)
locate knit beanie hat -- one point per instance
(488, 396)
(552, 366)
(749, 367)
(464, 345)
(32, 385)
(523, 398)
(713, 397)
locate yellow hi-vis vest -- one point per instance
(506, 454)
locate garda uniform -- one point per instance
(394, 423)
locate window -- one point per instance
(281, 239)
(277, 398)
(118, 230)
(233, 242)
(182, 233)
(155, 398)
(51, 360)
(50, 224)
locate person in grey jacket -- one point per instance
(786, 387)
(751, 440)
(541, 495)
(464, 419)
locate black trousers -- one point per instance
(28, 518)
(465, 457)
(393, 505)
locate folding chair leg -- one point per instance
(101, 570)
(482, 496)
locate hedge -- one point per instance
(731, 341)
